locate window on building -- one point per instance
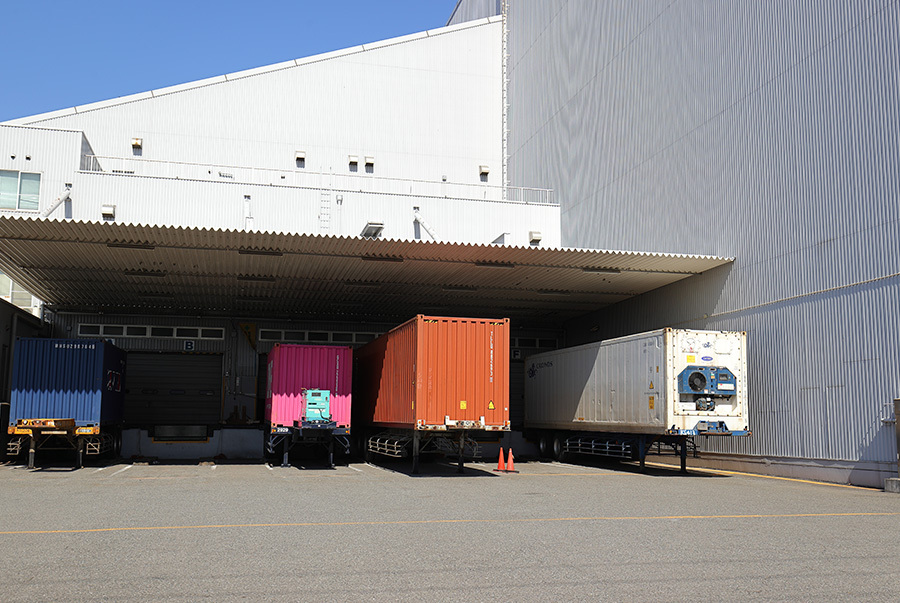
(88, 330)
(5, 286)
(20, 297)
(19, 190)
(14, 293)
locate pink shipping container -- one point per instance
(295, 368)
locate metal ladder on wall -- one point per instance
(325, 212)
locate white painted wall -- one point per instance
(426, 108)
(54, 154)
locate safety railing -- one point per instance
(300, 178)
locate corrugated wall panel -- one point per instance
(761, 131)
(431, 368)
(462, 370)
(385, 382)
(65, 379)
(469, 10)
(295, 368)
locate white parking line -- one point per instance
(214, 467)
(125, 468)
(355, 469)
(100, 469)
(569, 466)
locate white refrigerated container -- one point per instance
(670, 381)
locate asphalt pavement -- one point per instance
(361, 532)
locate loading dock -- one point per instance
(243, 279)
(174, 396)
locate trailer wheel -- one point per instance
(544, 445)
(117, 444)
(364, 445)
(79, 454)
(557, 452)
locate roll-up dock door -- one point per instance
(173, 389)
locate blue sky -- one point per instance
(63, 53)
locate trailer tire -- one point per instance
(556, 452)
(117, 444)
(544, 445)
(364, 448)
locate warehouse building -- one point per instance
(587, 169)
(767, 132)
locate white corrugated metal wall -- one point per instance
(469, 10)
(763, 131)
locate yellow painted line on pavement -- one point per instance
(786, 479)
(447, 521)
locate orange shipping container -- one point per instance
(437, 373)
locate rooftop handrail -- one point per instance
(138, 166)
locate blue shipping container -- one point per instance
(81, 379)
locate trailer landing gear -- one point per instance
(32, 446)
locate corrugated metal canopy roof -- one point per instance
(124, 268)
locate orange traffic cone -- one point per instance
(510, 466)
(501, 466)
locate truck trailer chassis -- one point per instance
(61, 434)
(285, 438)
(625, 446)
(402, 443)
